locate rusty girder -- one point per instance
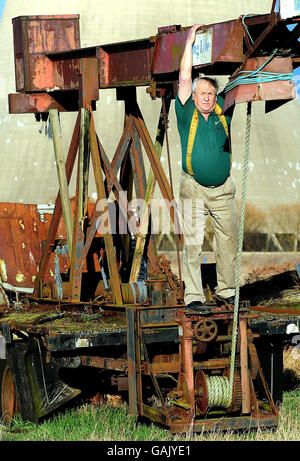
(52, 71)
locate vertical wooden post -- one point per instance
(131, 360)
(108, 240)
(244, 368)
(141, 238)
(84, 160)
(81, 207)
(57, 211)
(62, 177)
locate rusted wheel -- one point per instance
(205, 330)
(201, 393)
(8, 403)
(15, 391)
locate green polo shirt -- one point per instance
(211, 159)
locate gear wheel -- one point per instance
(205, 330)
(236, 404)
(253, 360)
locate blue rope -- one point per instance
(246, 28)
(258, 76)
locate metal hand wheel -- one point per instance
(205, 330)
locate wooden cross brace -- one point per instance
(80, 228)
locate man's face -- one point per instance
(205, 97)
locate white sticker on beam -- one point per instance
(202, 48)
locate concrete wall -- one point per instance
(28, 172)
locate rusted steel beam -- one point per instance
(137, 165)
(125, 64)
(34, 36)
(212, 364)
(223, 42)
(161, 368)
(186, 377)
(22, 103)
(89, 81)
(48, 57)
(95, 224)
(277, 90)
(107, 363)
(154, 414)
(120, 152)
(228, 423)
(276, 310)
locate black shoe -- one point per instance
(221, 301)
(198, 307)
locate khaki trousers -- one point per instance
(220, 203)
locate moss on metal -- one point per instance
(52, 322)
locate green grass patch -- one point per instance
(111, 423)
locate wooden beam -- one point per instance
(246, 408)
(108, 240)
(81, 208)
(57, 210)
(144, 222)
(62, 177)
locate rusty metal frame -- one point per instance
(185, 417)
(87, 143)
(152, 61)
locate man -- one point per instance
(206, 163)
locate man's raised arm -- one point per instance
(186, 64)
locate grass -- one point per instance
(113, 423)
